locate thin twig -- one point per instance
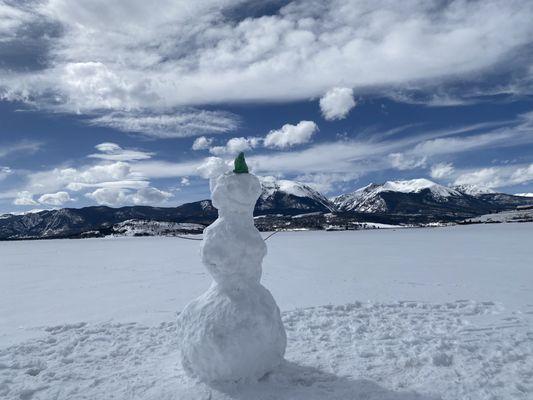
(188, 238)
(272, 234)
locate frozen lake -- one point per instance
(426, 314)
(147, 280)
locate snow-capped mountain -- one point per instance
(423, 197)
(283, 204)
(524, 194)
(373, 197)
(473, 190)
(290, 197)
(98, 221)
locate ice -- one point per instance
(233, 331)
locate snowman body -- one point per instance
(234, 330)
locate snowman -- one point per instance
(233, 332)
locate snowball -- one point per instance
(231, 335)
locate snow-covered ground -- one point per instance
(378, 314)
(505, 216)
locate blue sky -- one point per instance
(127, 103)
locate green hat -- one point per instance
(240, 164)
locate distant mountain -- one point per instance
(282, 205)
(290, 197)
(425, 198)
(278, 197)
(70, 222)
(473, 190)
(385, 197)
(524, 194)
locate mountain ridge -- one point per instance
(283, 204)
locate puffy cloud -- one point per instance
(202, 143)
(206, 54)
(441, 170)
(117, 196)
(337, 103)
(113, 152)
(150, 196)
(235, 146)
(290, 135)
(212, 167)
(185, 181)
(55, 199)
(109, 196)
(109, 174)
(403, 161)
(24, 198)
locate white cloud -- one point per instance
(55, 199)
(117, 196)
(150, 196)
(178, 124)
(113, 152)
(212, 167)
(327, 182)
(290, 135)
(495, 177)
(116, 174)
(24, 146)
(522, 175)
(488, 177)
(403, 161)
(5, 172)
(24, 198)
(459, 144)
(109, 196)
(195, 55)
(185, 181)
(235, 146)
(441, 170)
(165, 169)
(337, 103)
(202, 143)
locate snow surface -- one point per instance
(378, 314)
(505, 216)
(524, 194)
(233, 331)
(134, 227)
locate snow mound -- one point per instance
(374, 351)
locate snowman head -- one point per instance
(235, 192)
